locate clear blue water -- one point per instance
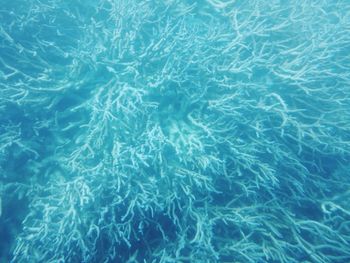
(174, 131)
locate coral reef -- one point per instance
(174, 131)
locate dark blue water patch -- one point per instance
(14, 211)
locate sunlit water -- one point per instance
(174, 131)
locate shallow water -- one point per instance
(174, 131)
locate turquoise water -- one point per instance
(174, 131)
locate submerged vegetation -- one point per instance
(175, 131)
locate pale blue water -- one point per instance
(174, 131)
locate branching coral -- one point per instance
(175, 131)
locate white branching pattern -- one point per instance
(175, 131)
